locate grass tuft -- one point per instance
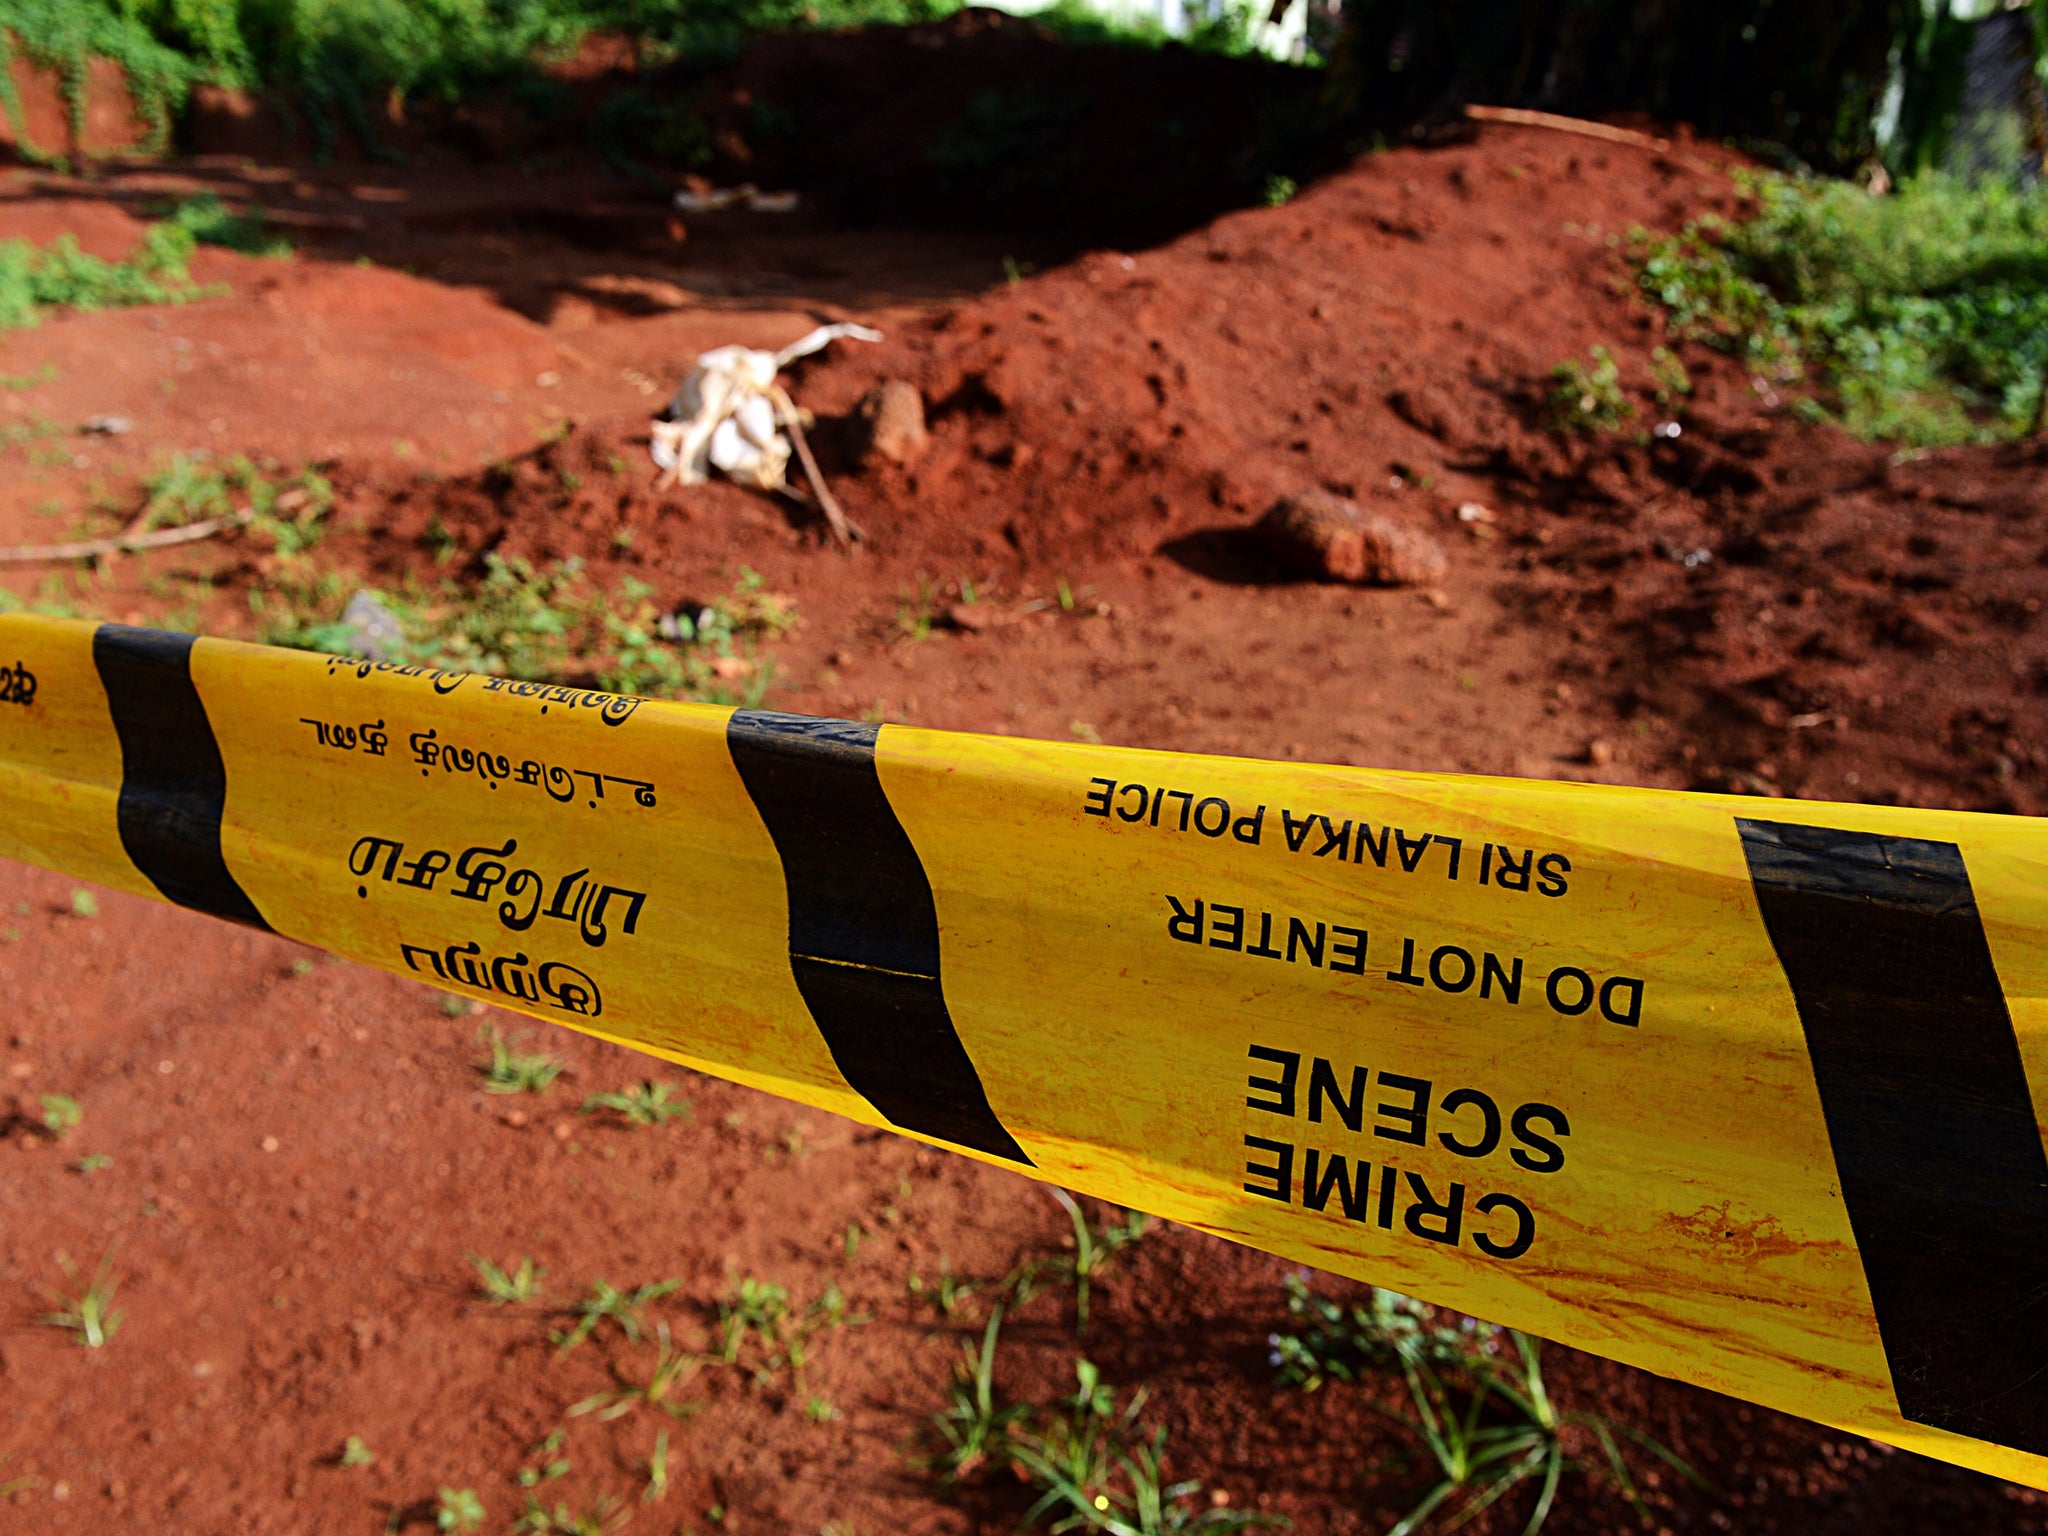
(646, 1104)
(508, 1287)
(90, 1313)
(506, 1070)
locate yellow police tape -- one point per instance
(1744, 1092)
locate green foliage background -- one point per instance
(1921, 316)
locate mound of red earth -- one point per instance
(1792, 610)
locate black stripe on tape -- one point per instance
(1933, 1128)
(173, 783)
(863, 928)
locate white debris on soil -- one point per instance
(746, 195)
(727, 414)
(374, 632)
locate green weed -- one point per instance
(210, 222)
(1476, 1393)
(1674, 382)
(975, 1429)
(553, 626)
(1921, 316)
(1094, 1249)
(1095, 1471)
(1344, 1343)
(755, 1307)
(552, 1464)
(819, 1410)
(459, 1509)
(508, 1287)
(506, 1070)
(20, 381)
(646, 1104)
(672, 1367)
(93, 1162)
(61, 1115)
(35, 280)
(288, 512)
(1588, 399)
(1479, 1461)
(607, 1302)
(84, 904)
(1280, 190)
(657, 1471)
(354, 1453)
(90, 1314)
(603, 1516)
(948, 1294)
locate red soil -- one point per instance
(301, 1162)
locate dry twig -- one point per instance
(129, 541)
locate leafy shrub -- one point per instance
(67, 35)
(1920, 316)
(61, 276)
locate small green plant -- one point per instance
(657, 1471)
(1094, 1249)
(1095, 1471)
(606, 1302)
(506, 1070)
(1343, 1343)
(354, 1453)
(646, 1104)
(551, 1463)
(90, 1313)
(61, 1115)
(508, 1287)
(84, 903)
(288, 512)
(1589, 399)
(819, 1410)
(672, 1367)
(93, 1162)
(1476, 1393)
(1280, 190)
(60, 275)
(975, 1429)
(948, 1294)
(1481, 1461)
(603, 1516)
(211, 222)
(1674, 383)
(551, 626)
(755, 1307)
(458, 1509)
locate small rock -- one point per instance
(373, 630)
(106, 426)
(889, 424)
(1324, 536)
(972, 617)
(1599, 753)
(1475, 512)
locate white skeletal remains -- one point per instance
(731, 415)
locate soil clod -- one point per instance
(1327, 538)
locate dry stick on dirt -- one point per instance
(128, 541)
(1522, 117)
(785, 407)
